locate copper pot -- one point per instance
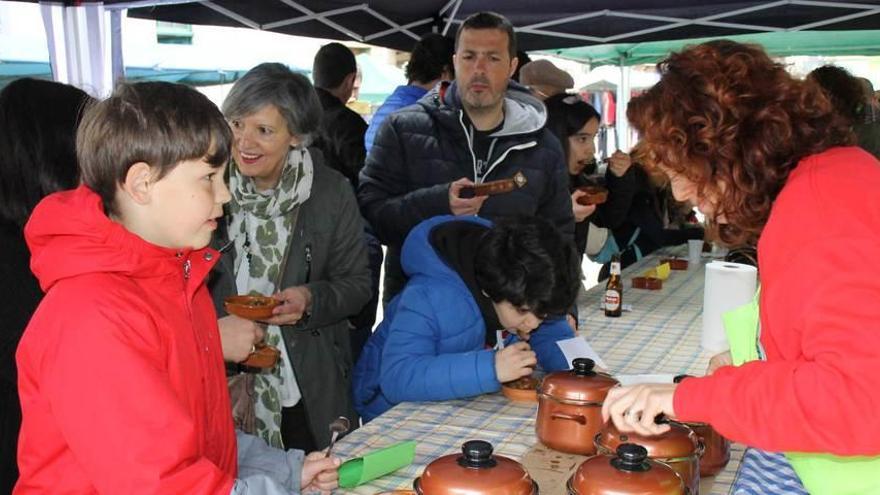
(570, 407)
(628, 472)
(716, 451)
(476, 472)
(678, 448)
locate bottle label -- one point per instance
(615, 268)
(612, 300)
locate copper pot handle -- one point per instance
(577, 418)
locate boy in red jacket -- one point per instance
(121, 375)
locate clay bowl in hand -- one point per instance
(522, 390)
(596, 195)
(250, 307)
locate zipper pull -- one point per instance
(187, 266)
(308, 263)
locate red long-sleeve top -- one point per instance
(819, 257)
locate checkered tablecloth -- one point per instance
(660, 335)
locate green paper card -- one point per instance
(354, 472)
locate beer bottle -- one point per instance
(614, 290)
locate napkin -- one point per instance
(359, 470)
(578, 347)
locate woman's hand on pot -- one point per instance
(514, 361)
(295, 302)
(719, 360)
(238, 337)
(633, 409)
(580, 212)
(320, 473)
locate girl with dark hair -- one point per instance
(633, 220)
(765, 157)
(575, 123)
(38, 121)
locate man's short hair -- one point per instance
(527, 262)
(333, 63)
(430, 57)
(489, 20)
(274, 84)
(159, 123)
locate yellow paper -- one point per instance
(661, 272)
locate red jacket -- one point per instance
(819, 259)
(121, 372)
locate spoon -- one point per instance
(338, 426)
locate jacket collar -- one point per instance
(523, 113)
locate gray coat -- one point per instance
(327, 253)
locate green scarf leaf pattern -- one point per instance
(268, 214)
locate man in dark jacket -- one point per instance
(341, 137)
(480, 128)
(429, 63)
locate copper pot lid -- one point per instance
(629, 472)
(475, 471)
(679, 442)
(580, 385)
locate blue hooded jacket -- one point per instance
(431, 344)
(402, 96)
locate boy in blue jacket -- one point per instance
(469, 278)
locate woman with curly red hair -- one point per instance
(766, 159)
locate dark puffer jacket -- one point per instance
(421, 149)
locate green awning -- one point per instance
(777, 44)
(12, 69)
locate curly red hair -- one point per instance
(725, 113)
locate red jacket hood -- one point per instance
(69, 235)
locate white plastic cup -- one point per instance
(695, 249)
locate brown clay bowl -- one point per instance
(676, 263)
(649, 283)
(250, 307)
(521, 390)
(596, 195)
(264, 356)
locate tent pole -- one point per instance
(78, 46)
(117, 64)
(621, 125)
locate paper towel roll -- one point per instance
(728, 286)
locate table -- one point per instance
(660, 335)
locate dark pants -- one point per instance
(363, 322)
(395, 279)
(10, 422)
(295, 432)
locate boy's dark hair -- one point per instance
(528, 263)
(566, 115)
(842, 88)
(159, 123)
(333, 63)
(430, 57)
(489, 20)
(38, 121)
